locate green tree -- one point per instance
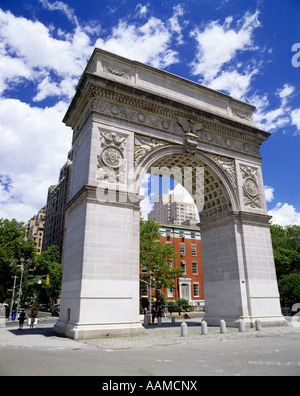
(286, 248)
(289, 289)
(13, 247)
(47, 263)
(155, 257)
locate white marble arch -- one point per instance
(128, 118)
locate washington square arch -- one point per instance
(129, 119)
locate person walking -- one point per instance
(22, 317)
(32, 318)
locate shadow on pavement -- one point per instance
(45, 331)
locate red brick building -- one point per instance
(187, 242)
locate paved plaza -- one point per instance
(161, 351)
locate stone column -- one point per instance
(239, 272)
(100, 292)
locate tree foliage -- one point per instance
(47, 263)
(155, 257)
(286, 249)
(13, 247)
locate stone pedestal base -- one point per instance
(82, 331)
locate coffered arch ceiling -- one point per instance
(211, 188)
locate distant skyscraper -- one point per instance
(172, 210)
(55, 212)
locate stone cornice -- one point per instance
(165, 112)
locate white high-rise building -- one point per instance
(170, 209)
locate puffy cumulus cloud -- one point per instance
(149, 43)
(34, 146)
(29, 51)
(218, 45)
(273, 119)
(284, 215)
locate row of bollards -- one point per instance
(241, 326)
(184, 331)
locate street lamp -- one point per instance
(150, 284)
(20, 286)
(13, 294)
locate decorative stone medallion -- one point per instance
(111, 162)
(251, 192)
(112, 157)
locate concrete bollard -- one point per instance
(257, 325)
(203, 327)
(159, 321)
(241, 326)
(222, 326)
(173, 320)
(183, 330)
(145, 321)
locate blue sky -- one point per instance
(242, 48)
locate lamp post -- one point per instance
(150, 284)
(20, 286)
(13, 294)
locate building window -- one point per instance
(170, 293)
(195, 267)
(196, 289)
(182, 249)
(183, 266)
(194, 250)
(193, 234)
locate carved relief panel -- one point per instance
(111, 165)
(251, 190)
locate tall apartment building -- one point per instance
(170, 209)
(35, 229)
(55, 213)
(187, 242)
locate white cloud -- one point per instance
(149, 43)
(269, 193)
(142, 10)
(60, 6)
(284, 214)
(219, 44)
(147, 204)
(295, 114)
(233, 82)
(285, 92)
(34, 147)
(29, 51)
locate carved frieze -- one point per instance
(251, 192)
(195, 130)
(227, 165)
(144, 145)
(111, 165)
(115, 71)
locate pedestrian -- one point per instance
(165, 312)
(32, 318)
(180, 309)
(171, 311)
(153, 312)
(22, 317)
